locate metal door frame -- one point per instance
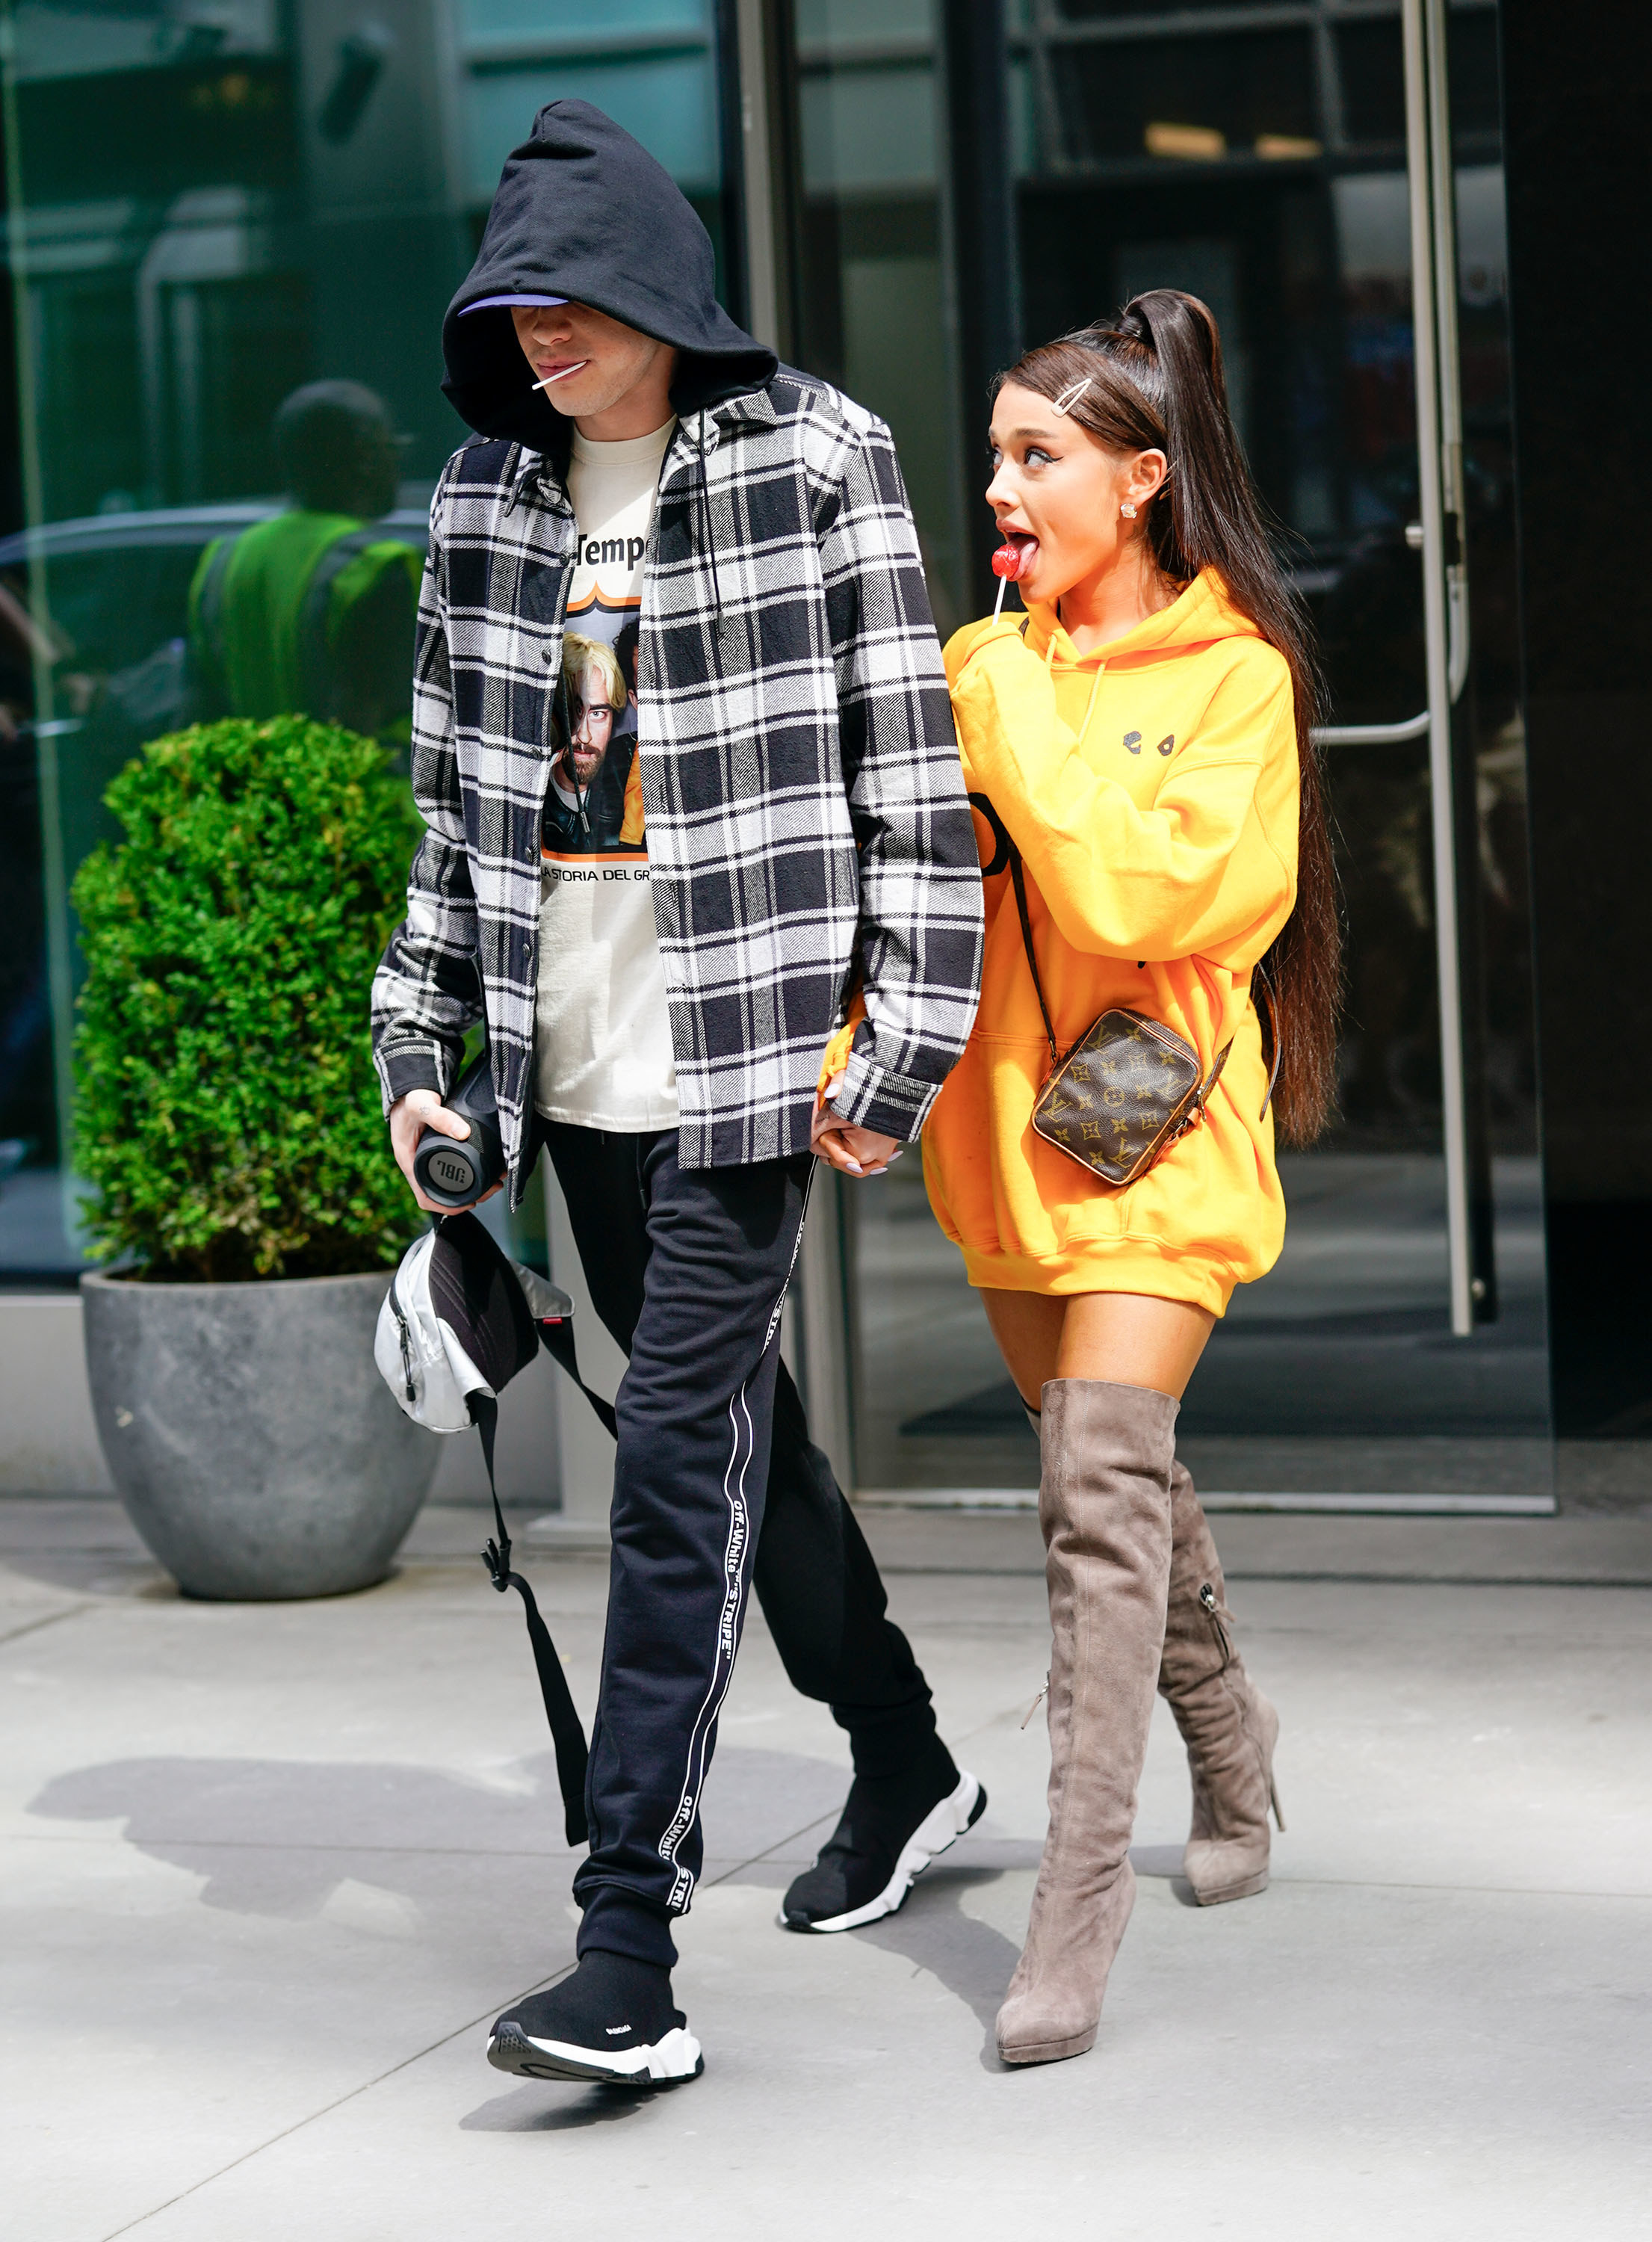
(1440, 537)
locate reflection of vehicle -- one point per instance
(117, 594)
(117, 584)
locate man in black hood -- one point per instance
(776, 958)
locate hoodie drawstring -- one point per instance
(706, 518)
(1089, 706)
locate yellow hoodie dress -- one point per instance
(1152, 790)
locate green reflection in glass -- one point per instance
(204, 219)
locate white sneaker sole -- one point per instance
(675, 2056)
(942, 1826)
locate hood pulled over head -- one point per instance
(584, 211)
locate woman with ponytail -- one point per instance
(1139, 749)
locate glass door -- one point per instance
(1327, 177)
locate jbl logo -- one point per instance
(449, 1169)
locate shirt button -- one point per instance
(549, 653)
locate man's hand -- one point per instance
(844, 1144)
(410, 1117)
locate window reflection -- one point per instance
(238, 228)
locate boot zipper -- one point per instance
(1037, 1700)
(1207, 1600)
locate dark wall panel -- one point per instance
(1575, 79)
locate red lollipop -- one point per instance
(1009, 563)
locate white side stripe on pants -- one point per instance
(742, 1447)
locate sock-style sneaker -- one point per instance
(889, 1835)
(613, 2020)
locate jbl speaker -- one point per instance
(454, 1171)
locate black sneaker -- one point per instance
(613, 2020)
(887, 1836)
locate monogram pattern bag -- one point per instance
(1130, 1086)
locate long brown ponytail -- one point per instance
(1155, 382)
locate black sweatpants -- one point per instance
(687, 1268)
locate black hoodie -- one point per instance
(583, 210)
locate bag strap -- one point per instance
(566, 1732)
(557, 1339)
(1019, 881)
(1006, 851)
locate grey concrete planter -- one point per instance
(255, 1446)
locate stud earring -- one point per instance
(1129, 511)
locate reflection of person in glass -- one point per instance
(313, 610)
(586, 807)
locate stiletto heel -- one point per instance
(1273, 1798)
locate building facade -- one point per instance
(1405, 215)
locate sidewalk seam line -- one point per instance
(326, 2111)
(34, 1625)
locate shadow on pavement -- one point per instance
(968, 1956)
(278, 1837)
(1164, 1862)
(526, 2110)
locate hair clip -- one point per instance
(1071, 395)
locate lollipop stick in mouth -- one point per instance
(561, 374)
(1006, 564)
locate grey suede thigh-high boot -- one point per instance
(1104, 1504)
(1227, 1725)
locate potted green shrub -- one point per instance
(228, 1118)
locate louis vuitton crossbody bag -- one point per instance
(1130, 1086)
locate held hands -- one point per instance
(410, 1117)
(843, 1144)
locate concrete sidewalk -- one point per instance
(271, 1870)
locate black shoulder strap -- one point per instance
(1005, 852)
(1019, 881)
(566, 1732)
(557, 1339)
(556, 1336)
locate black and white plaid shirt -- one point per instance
(807, 827)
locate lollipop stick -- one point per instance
(1003, 586)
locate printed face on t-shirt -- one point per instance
(594, 806)
(604, 1056)
(586, 810)
(592, 728)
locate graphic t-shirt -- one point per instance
(602, 1035)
